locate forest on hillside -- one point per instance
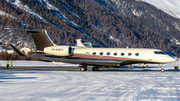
(91, 17)
(147, 15)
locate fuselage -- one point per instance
(126, 55)
(123, 55)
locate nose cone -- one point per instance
(170, 59)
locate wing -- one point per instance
(74, 61)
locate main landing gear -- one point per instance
(95, 68)
(83, 68)
(162, 69)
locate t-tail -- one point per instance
(41, 39)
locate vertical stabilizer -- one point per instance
(41, 38)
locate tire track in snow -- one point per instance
(59, 85)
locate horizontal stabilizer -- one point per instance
(28, 30)
(18, 51)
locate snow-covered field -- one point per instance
(138, 84)
(19, 63)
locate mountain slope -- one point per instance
(67, 20)
(147, 15)
(172, 7)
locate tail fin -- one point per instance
(41, 38)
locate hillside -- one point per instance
(148, 15)
(168, 6)
(68, 20)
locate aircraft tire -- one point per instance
(95, 68)
(83, 69)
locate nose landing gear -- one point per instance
(162, 69)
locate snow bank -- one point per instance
(35, 63)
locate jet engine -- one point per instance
(59, 50)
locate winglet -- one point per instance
(18, 51)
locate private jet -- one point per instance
(86, 55)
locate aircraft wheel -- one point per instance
(162, 70)
(83, 69)
(95, 68)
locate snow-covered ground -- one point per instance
(171, 7)
(138, 84)
(34, 63)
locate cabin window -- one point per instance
(87, 53)
(137, 54)
(129, 54)
(159, 52)
(108, 53)
(115, 54)
(94, 53)
(122, 54)
(101, 53)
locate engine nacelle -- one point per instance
(59, 50)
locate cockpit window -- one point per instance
(159, 52)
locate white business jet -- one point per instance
(89, 56)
